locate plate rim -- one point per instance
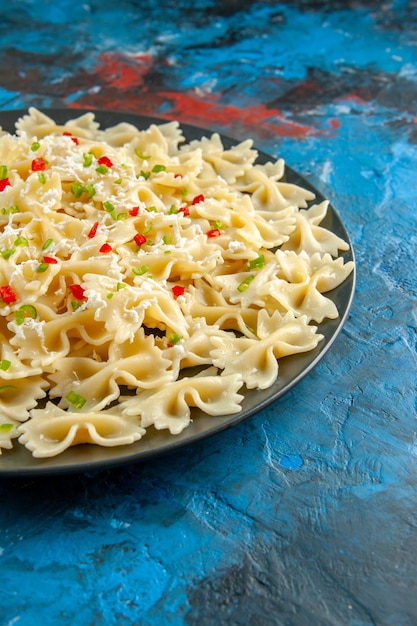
(55, 465)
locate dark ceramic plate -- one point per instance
(19, 462)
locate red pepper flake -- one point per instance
(7, 294)
(185, 210)
(38, 164)
(198, 199)
(93, 230)
(74, 139)
(177, 290)
(50, 260)
(106, 247)
(134, 211)
(105, 161)
(5, 182)
(77, 291)
(213, 233)
(139, 239)
(177, 175)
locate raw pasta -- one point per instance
(128, 258)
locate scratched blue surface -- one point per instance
(304, 514)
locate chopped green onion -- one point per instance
(3, 172)
(120, 286)
(118, 181)
(138, 271)
(102, 169)
(151, 208)
(77, 190)
(257, 263)
(87, 159)
(5, 364)
(6, 428)
(184, 191)
(167, 239)
(108, 206)
(174, 339)
(42, 267)
(109, 296)
(12, 209)
(158, 168)
(173, 210)
(121, 216)
(144, 175)
(90, 191)
(21, 241)
(24, 311)
(6, 254)
(47, 243)
(75, 399)
(218, 224)
(139, 154)
(41, 178)
(148, 228)
(245, 283)
(35, 146)
(75, 304)
(7, 388)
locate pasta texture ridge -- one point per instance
(144, 278)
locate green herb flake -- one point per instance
(245, 283)
(75, 399)
(109, 296)
(102, 169)
(6, 254)
(118, 181)
(35, 146)
(167, 239)
(5, 364)
(120, 286)
(3, 172)
(41, 178)
(42, 267)
(144, 175)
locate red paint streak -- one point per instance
(122, 72)
(120, 76)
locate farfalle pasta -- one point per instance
(141, 276)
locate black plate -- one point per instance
(20, 462)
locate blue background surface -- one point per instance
(304, 514)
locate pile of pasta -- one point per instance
(142, 276)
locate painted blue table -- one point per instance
(304, 514)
